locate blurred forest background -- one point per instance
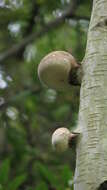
(29, 113)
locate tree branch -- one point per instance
(31, 24)
(51, 25)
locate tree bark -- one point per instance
(91, 158)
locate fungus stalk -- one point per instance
(75, 75)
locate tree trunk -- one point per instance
(91, 160)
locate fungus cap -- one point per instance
(60, 139)
(54, 69)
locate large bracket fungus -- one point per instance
(59, 70)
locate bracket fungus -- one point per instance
(59, 70)
(62, 139)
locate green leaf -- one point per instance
(4, 171)
(1, 187)
(42, 185)
(17, 182)
(46, 174)
(66, 175)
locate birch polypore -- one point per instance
(62, 139)
(59, 70)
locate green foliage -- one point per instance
(56, 179)
(47, 175)
(17, 182)
(66, 175)
(4, 171)
(30, 112)
(42, 185)
(5, 181)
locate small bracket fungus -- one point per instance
(59, 70)
(62, 139)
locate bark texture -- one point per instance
(91, 160)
